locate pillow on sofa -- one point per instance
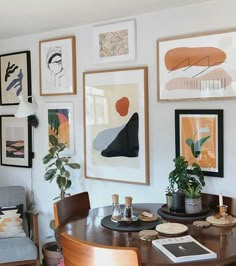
(11, 221)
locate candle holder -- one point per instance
(223, 209)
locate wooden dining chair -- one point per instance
(77, 252)
(72, 206)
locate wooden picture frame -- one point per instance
(197, 66)
(57, 59)
(116, 125)
(15, 73)
(199, 138)
(60, 117)
(16, 142)
(114, 42)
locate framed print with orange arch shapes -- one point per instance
(199, 138)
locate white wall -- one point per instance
(214, 15)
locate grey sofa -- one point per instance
(19, 250)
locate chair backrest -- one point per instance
(72, 206)
(81, 253)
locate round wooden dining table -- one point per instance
(221, 240)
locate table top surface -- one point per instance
(221, 240)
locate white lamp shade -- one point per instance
(25, 108)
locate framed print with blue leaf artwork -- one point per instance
(199, 138)
(15, 76)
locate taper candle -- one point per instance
(221, 200)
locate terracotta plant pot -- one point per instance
(51, 254)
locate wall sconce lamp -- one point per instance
(27, 109)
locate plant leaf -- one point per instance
(49, 175)
(73, 165)
(53, 140)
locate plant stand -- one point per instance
(51, 254)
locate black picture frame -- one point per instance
(16, 141)
(15, 77)
(194, 142)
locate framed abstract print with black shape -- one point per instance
(60, 124)
(199, 138)
(16, 142)
(116, 125)
(15, 77)
(57, 66)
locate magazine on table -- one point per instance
(184, 248)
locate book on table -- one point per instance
(185, 248)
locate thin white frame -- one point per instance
(15, 130)
(112, 29)
(104, 125)
(63, 105)
(63, 52)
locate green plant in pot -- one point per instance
(57, 169)
(58, 166)
(189, 182)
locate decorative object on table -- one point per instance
(222, 218)
(116, 211)
(114, 42)
(190, 181)
(57, 59)
(171, 228)
(15, 77)
(16, 141)
(183, 249)
(201, 224)
(128, 210)
(58, 166)
(135, 225)
(196, 66)
(116, 125)
(147, 217)
(60, 117)
(199, 138)
(148, 235)
(169, 192)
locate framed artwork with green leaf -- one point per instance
(199, 138)
(60, 124)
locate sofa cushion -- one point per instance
(12, 196)
(11, 222)
(17, 249)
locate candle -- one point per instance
(221, 200)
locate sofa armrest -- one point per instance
(32, 216)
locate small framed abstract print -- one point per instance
(199, 138)
(16, 141)
(15, 77)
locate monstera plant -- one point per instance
(58, 166)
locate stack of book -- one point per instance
(185, 248)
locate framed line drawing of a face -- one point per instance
(57, 66)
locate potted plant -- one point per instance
(57, 169)
(188, 182)
(58, 166)
(169, 196)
